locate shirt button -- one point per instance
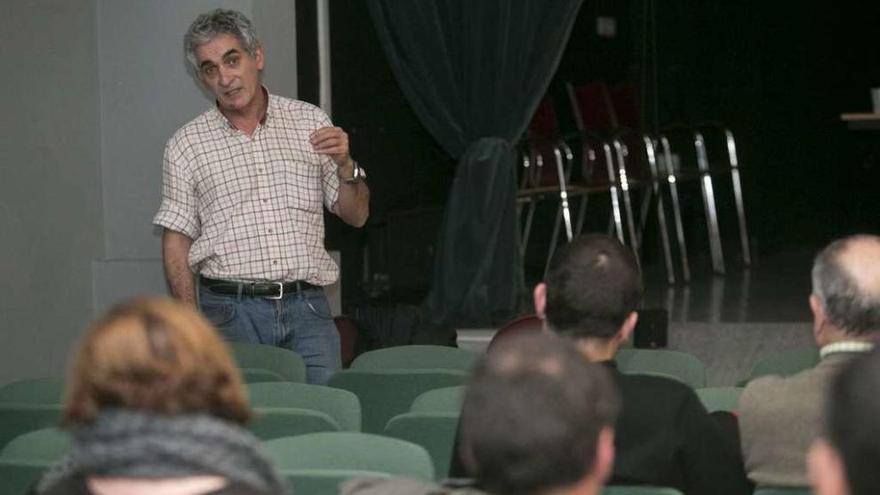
(274, 262)
(270, 231)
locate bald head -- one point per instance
(846, 280)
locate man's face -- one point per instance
(230, 73)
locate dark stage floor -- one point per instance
(773, 290)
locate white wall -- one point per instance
(50, 184)
(91, 91)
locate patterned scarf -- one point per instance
(134, 444)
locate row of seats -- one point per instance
(399, 402)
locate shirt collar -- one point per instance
(223, 123)
(845, 346)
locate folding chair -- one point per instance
(722, 160)
(638, 170)
(685, 159)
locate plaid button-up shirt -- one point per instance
(252, 204)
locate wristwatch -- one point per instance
(357, 174)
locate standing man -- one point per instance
(243, 187)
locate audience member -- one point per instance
(663, 436)
(537, 419)
(845, 461)
(781, 416)
(155, 406)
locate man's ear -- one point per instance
(629, 324)
(260, 57)
(820, 318)
(604, 461)
(539, 296)
(825, 468)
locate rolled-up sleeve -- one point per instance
(178, 210)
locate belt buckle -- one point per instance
(280, 291)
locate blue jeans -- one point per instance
(299, 321)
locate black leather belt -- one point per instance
(269, 290)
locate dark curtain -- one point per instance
(474, 71)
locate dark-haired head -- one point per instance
(537, 418)
(593, 285)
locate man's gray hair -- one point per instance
(847, 305)
(218, 22)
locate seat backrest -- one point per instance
(441, 400)
(259, 375)
(286, 363)
(782, 491)
(20, 477)
(625, 100)
(639, 490)
(416, 357)
(544, 123)
(46, 391)
(348, 338)
(44, 445)
(786, 363)
(343, 406)
(519, 326)
(719, 398)
(680, 143)
(636, 154)
(17, 419)
(687, 367)
(385, 394)
(325, 481)
(433, 431)
(277, 422)
(592, 107)
(350, 450)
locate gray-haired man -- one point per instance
(780, 417)
(244, 186)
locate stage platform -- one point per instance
(728, 321)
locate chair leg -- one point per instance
(709, 205)
(669, 172)
(738, 197)
(563, 193)
(614, 191)
(661, 209)
(627, 202)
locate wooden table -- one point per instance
(862, 121)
